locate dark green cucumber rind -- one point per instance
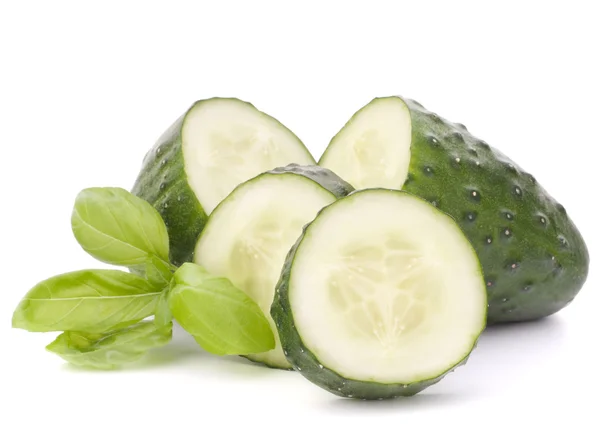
(323, 177)
(163, 183)
(304, 361)
(537, 260)
(264, 364)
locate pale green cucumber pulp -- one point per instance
(534, 259)
(215, 145)
(381, 296)
(250, 232)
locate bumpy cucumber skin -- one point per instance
(534, 259)
(511, 219)
(163, 183)
(305, 362)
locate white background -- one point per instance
(86, 89)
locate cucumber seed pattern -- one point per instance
(384, 292)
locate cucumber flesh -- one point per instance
(373, 149)
(534, 259)
(226, 142)
(249, 234)
(380, 297)
(215, 145)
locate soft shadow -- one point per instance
(504, 354)
(183, 353)
(181, 347)
(417, 402)
(233, 366)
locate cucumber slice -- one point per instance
(380, 297)
(215, 145)
(248, 235)
(534, 259)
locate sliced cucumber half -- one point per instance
(381, 296)
(226, 142)
(373, 148)
(524, 238)
(249, 234)
(217, 144)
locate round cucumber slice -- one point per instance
(380, 297)
(215, 145)
(248, 235)
(534, 258)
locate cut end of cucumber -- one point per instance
(249, 234)
(385, 288)
(228, 141)
(373, 148)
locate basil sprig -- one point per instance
(102, 313)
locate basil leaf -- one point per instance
(157, 272)
(162, 313)
(112, 349)
(89, 300)
(222, 319)
(119, 228)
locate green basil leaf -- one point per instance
(93, 301)
(162, 313)
(112, 349)
(157, 272)
(221, 317)
(119, 228)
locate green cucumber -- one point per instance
(250, 232)
(534, 259)
(380, 297)
(215, 145)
